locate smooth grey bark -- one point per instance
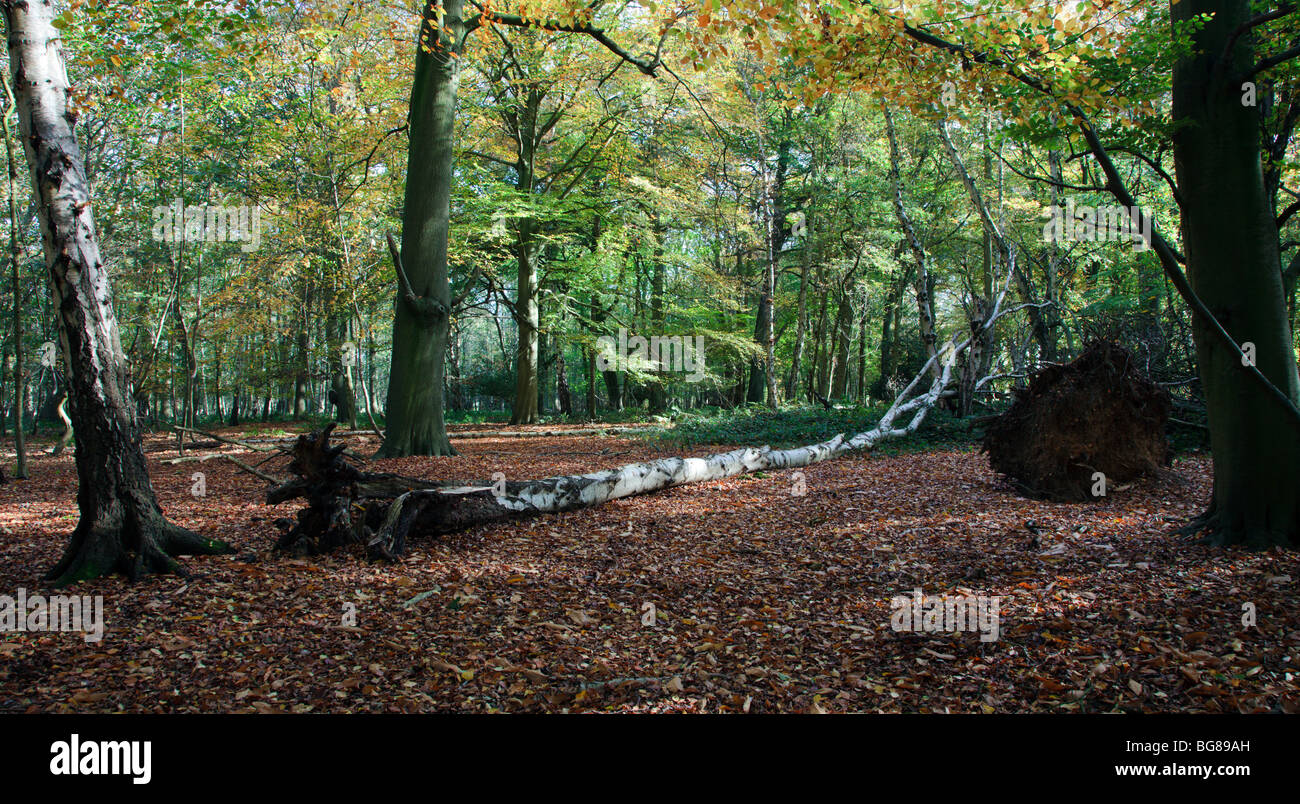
(843, 335)
(523, 122)
(822, 363)
(343, 394)
(1051, 270)
(613, 388)
(658, 278)
(421, 322)
(801, 323)
(1231, 244)
(339, 324)
(772, 212)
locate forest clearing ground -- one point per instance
(764, 600)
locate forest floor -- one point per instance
(764, 600)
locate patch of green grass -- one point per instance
(625, 416)
(476, 416)
(799, 426)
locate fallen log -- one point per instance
(211, 456)
(443, 510)
(586, 431)
(276, 445)
(235, 442)
(347, 506)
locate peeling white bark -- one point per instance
(445, 509)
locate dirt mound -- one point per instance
(1099, 413)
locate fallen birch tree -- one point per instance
(381, 511)
(582, 431)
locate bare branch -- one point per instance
(647, 66)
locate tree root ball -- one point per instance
(1099, 413)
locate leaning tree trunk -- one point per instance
(422, 321)
(1233, 265)
(62, 412)
(121, 526)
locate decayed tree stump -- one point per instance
(344, 504)
(1096, 414)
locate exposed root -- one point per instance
(134, 545)
(1218, 534)
(340, 508)
(1081, 428)
(1206, 520)
(132, 550)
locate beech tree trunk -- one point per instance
(658, 394)
(1233, 265)
(801, 324)
(422, 322)
(762, 370)
(121, 526)
(821, 356)
(842, 337)
(527, 305)
(343, 394)
(757, 386)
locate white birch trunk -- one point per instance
(442, 510)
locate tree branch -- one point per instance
(1269, 63)
(1165, 252)
(426, 308)
(1253, 22)
(488, 157)
(646, 66)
